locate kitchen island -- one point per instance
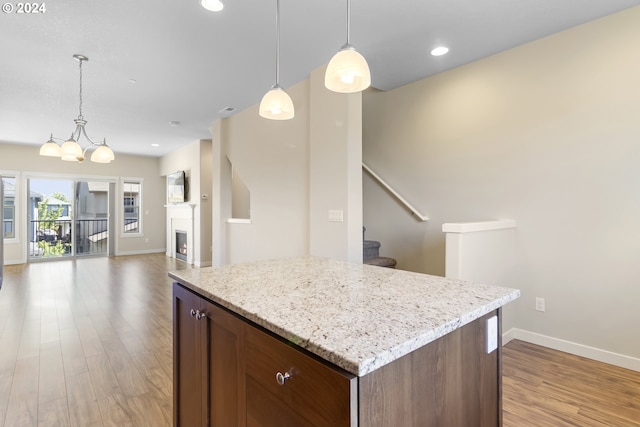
(318, 342)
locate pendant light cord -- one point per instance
(348, 22)
(277, 42)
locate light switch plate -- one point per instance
(492, 334)
(336, 216)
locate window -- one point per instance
(132, 206)
(9, 207)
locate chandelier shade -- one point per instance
(71, 150)
(50, 148)
(102, 154)
(276, 104)
(348, 71)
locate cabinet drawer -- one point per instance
(314, 394)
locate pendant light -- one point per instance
(212, 5)
(277, 104)
(71, 150)
(347, 71)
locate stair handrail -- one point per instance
(401, 199)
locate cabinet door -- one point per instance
(312, 395)
(225, 369)
(189, 405)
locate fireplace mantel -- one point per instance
(181, 216)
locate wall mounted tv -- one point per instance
(177, 187)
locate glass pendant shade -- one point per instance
(71, 150)
(276, 105)
(347, 71)
(50, 148)
(102, 154)
(212, 5)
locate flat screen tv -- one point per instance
(177, 187)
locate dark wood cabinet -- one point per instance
(231, 372)
(208, 370)
(452, 381)
(288, 388)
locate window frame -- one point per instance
(15, 207)
(123, 206)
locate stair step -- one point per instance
(381, 262)
(371, 249)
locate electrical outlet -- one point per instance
(539, 304)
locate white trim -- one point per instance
(238, 221)
(120, 206)
(472, 227)
(142, 252)
(69, 176)
(16, 207)
(14, 261)
(508, 336)
(593, 353)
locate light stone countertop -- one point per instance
(356, 316)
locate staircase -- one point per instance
(371, 254)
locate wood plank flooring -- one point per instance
(89, 343)
(548, 388)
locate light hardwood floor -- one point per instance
(89, 343)
(547, 388)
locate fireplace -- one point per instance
(181, 245)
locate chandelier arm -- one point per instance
(84, 133)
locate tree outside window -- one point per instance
(51, 240)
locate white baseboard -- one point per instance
(593, 353)
(508, 336)
(145, 252)
(15, 261)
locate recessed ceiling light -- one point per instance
(227, 110)
(133, 81)
(212, 5)
(155, 145)
(439, 51)
(174, 123)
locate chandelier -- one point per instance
(71, 150)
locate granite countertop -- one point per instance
(358, 317)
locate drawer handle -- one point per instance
(197, 314)
(281, 378)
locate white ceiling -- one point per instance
(190, 63)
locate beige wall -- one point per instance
(271, 157)
(547, 134)
(27, 162)
(335, 164)
(296, 171)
